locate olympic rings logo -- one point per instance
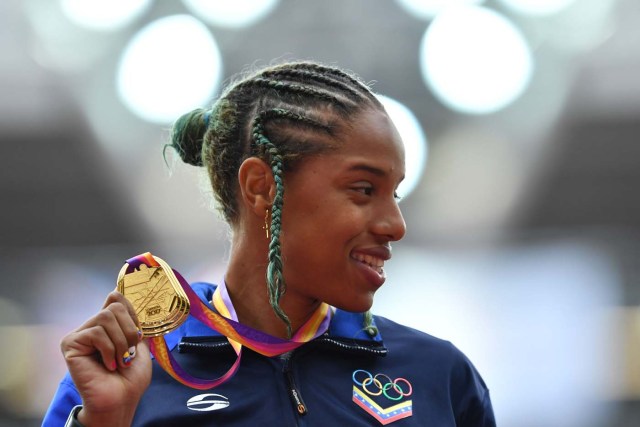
(381, 384)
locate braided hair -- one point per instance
(272, 114)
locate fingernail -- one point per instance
(132, 352)
(126, 359)
(113, 365)
(139, 334)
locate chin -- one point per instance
(356, 305)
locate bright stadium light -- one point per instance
(232, 14)
(538, 7)
(427, 9)
(475, 60)
(104, 15)
(172, 65)
(414, 139)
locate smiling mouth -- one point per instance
(373, 262)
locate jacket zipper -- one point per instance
(205, 347)
(294, 392)
(194, 345)
(351, 346)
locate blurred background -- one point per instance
(520, 117)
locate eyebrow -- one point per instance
(371, 169)
(367, 168)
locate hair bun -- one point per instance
(188, 134)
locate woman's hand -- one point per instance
(108, 377)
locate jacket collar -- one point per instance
(346, 330)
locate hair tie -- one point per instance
(205, 118)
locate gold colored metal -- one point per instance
(265, 227)
(157, 297)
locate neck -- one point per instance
(247, 287)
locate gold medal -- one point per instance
(157, 297)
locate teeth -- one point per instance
(374, 262)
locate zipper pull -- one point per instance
(294, 393)
(296, 398)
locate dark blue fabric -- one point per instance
(446, 388)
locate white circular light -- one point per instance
(427, 9)
(414, 140)
(169, 67)
(538, 7)
(233, 14)
(475, 60)
(104, 15)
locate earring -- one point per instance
(265, 227)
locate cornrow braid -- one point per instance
(311, 75)
(222, 154)
(294, 88)
(274, 276)
(340, 74)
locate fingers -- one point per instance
(113, 333)
(117, 297)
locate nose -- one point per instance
(389, 222)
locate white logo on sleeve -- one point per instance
(207, 402)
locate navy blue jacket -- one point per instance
(344, 377)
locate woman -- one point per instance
(304, 162)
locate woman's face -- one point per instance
(340, 214)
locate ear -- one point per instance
(257, 187)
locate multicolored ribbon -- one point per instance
(238, 334)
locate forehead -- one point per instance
(367, 143)
(371, 136)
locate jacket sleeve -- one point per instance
(470, 395)
(65, 399)
(479, 413)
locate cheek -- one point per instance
(303, 219)
(314, 240)
(317, 225)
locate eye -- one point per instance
(396, 196)
(367, 191)
(363, 188)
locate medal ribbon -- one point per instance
(238, 334)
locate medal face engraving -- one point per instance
(156, 296)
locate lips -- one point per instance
(371, 260)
